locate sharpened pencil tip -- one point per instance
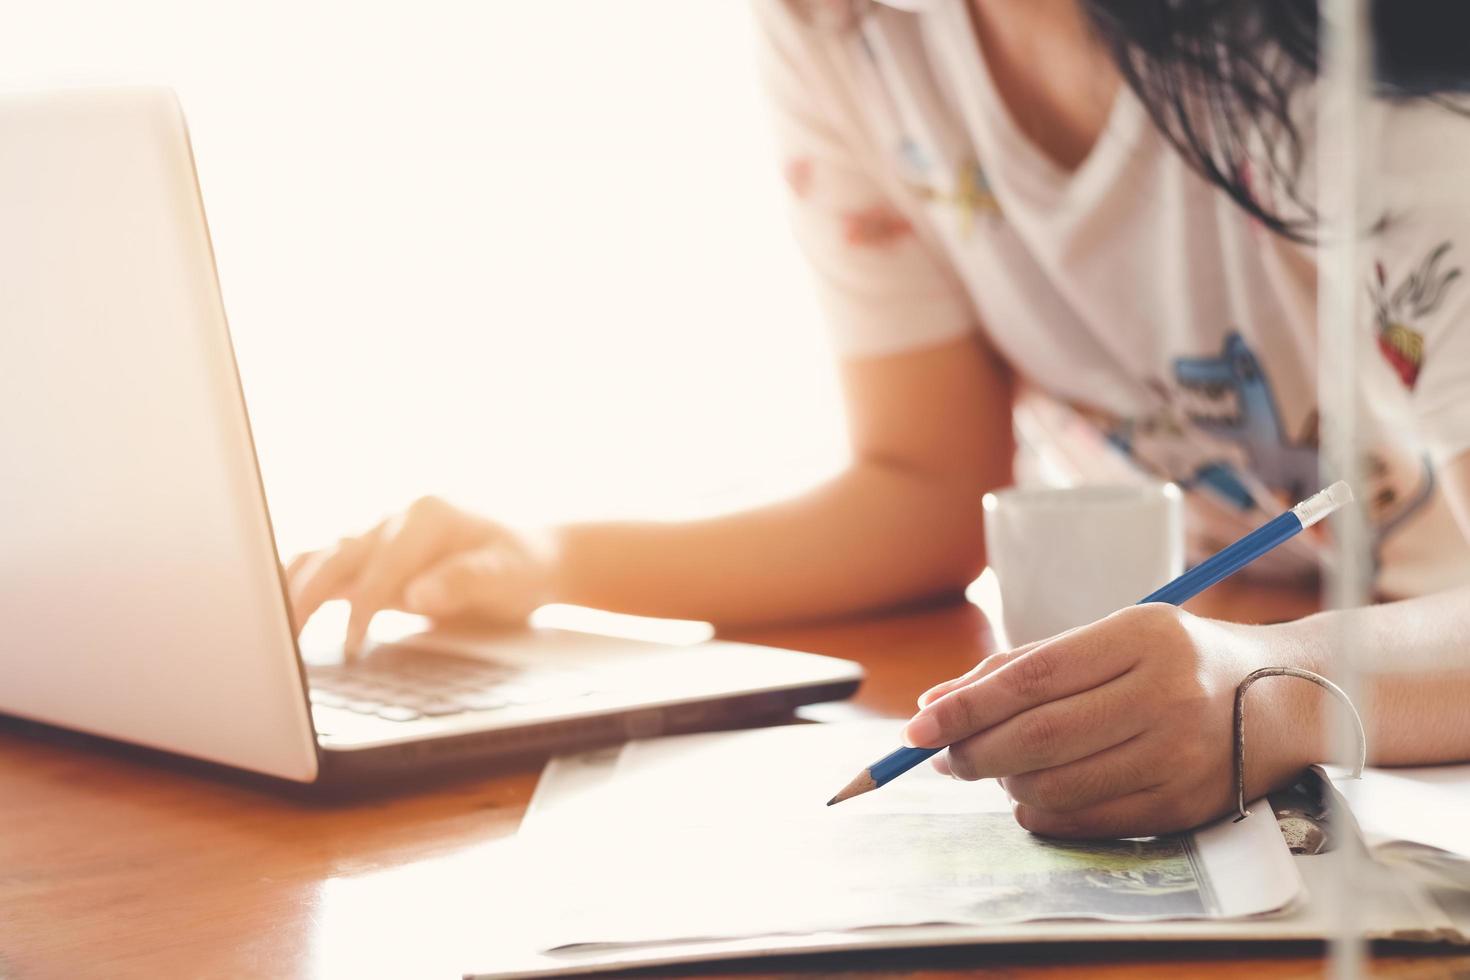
(862, 783)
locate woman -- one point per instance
(1098, 211)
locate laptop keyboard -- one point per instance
(406, 684)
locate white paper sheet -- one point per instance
(1428, 806)
(728, 835)
(1418, 817)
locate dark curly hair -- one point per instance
(1219, 78)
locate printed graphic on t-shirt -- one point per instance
(966, 192)
(1229, 397)
(874, 225)
(970, 196)
(1399, 310)
(1219, 429)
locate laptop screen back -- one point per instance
(140, 593)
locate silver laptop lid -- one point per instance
(140, 594)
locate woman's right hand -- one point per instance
(432, 559)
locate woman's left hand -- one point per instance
(1122, 728)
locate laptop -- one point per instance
(141, 595)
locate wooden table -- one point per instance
(117, 863)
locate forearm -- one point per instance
(1415, 678)
(875, 536)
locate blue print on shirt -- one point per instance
(1227, 397)
(1235, 385)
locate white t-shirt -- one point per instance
(1155, 324)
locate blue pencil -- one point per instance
(1226, 562)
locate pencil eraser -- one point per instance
(1319, 505)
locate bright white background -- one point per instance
(528, 254)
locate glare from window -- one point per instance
(530, 256)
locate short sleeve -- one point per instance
(881, 281)
(1417, 281)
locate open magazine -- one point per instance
(710, 847)
(727, 835)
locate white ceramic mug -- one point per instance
(1064, 557)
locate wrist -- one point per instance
(1289, 712)
(551, 545)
